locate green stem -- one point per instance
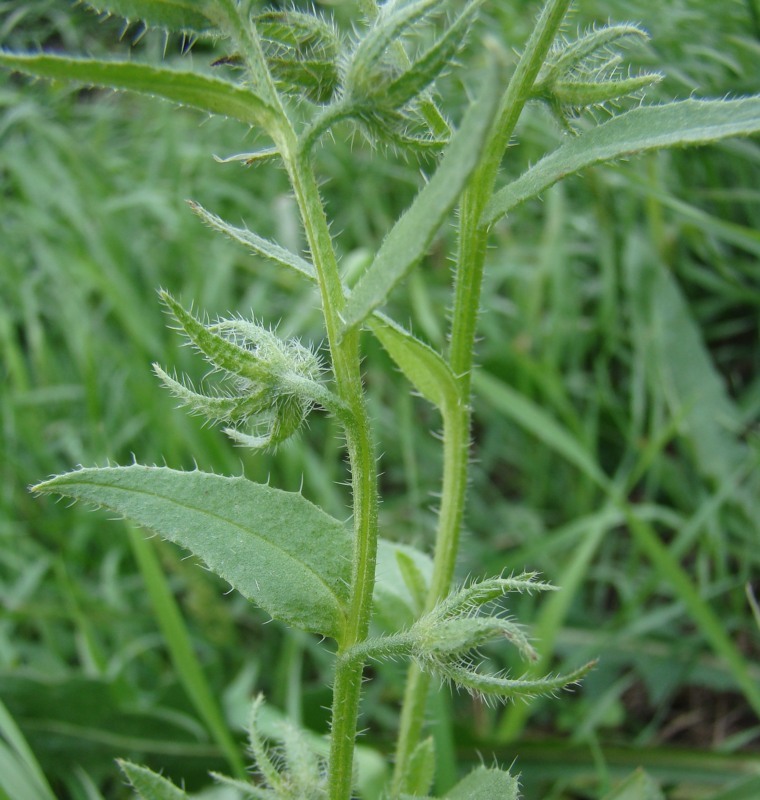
(246, 40)
(467, 290)
(346, 369)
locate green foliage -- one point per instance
(22, 776)
(275, 382)
(293, 76)
(302, 51)
(411, 235)
(192, 16)
(584, 73)
(187, 88)
(150, 786)
(274, 547)
(648, 128)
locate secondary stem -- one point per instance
(473, 238)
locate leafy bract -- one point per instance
(302, 51)
(485, 784)
(256, 244)
(410, 237)
(186, 88)
(149, 785)
(191, 16)
(687, 122)
(275, 547)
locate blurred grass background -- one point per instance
(618, 388)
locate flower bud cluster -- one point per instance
(384, 88)
(446, 640)
(274, 382)
(585, 73)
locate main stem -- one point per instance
(346, 369)
(457, 421)
(346, 364)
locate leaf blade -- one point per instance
(686, 122)
(174, 15)
(183, 87)
(412, 234)
(150, 785)
(425, 369)
(276, 548)
(485, 784)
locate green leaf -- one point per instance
(256, 244)
(186, 88)
(680, 369)
(276, 548)
(410, 237)
(302, 51)
(248, 362)
(425, 69)
(364, 76)
(485, 784)
(394, 603)
(149, 785)
(425, 369)
(580, 94)
(421, 771)
(688, 122)
(192, 16)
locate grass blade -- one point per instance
(177, 638)
(540, 424)
(21, 776)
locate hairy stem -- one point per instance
(467, 290)
(346, 368)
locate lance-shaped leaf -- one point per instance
(190, 16)
(500, 688)
(186, 88)
(595, 45)
(425, 69)
(149, 785)
(256, 244)
(302, 51)
(485, 784)
(395, 19)
(256, 362)
(276, 548)
(410, 237)
(687, 122)
(425, 369)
